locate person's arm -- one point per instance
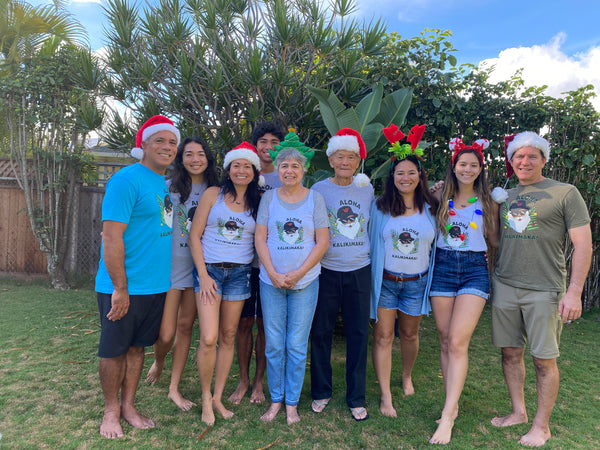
(569, 307)
(113, 251)
(493, 235)
(315, 255)
(264, 256)
(208, 287)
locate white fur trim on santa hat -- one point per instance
(242, 153)
(528, 139)
(152, 129)
(344, 142)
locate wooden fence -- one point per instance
(20, 252)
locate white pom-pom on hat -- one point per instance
(499, 195)
(361, 180)
(137, 153)
(261, 181)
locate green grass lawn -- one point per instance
(50, 395)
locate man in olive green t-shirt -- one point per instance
(531, 301)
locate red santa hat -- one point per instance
(350, 140)
(244, 151)
(153, 125)
(528, 139)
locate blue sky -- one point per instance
(555, 42)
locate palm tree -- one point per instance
(26, 30)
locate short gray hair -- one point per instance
(290, 153)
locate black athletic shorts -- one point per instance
(138, 328)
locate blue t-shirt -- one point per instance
(139, 197)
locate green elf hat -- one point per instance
(293, 141)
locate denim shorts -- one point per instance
(232, 284)
(458, 273)
(406, 296)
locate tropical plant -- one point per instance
(219, 66)
(50, 109)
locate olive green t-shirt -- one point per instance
(534, 221)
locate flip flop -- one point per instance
(317, 406)
(356, 412)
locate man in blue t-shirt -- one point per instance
(134, 270)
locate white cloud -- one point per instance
(547, 64)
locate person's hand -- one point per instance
(437, 186)
(569, 307)
(208, 289)
(292, 278)
(119, 301)
(278, 280)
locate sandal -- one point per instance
(357, 412)
(317, 406)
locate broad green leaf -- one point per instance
(368, 108)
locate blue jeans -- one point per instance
(457, 273)
(287, 316)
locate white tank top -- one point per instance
(229, 235)
(461, 236)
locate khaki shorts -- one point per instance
(520, 314)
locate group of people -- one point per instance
(260, 247)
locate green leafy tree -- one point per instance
(50, 109)
(218, 66)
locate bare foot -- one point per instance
(536, 437)
(510, 420)
(220, 408)
(271, 412)
(407, 386)
(183, 403)
(239, 392)
(135, 419)
(443, 433)
(111, 425)
(292, 414)
(258, 395)
(387, 408)
(455, 415)
(208, 416)
(155, 372)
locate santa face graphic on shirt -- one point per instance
(231, 230)
(168, 211)
(290, 234)
(346, 222)
(518, 216)
(454, 237)
(190, 217)
(406, 243)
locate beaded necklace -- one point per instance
(452, 212)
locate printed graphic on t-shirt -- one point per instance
(185, 217)
(290, 233)
(229, 229)
(166, 210)
(346, 222)
(521, 214)
(404, 242)
(455, 237)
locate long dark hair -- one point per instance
(481, 187)
(252, 195)
(181, 181)
(391, 201)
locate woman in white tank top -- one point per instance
(194, 169)
(222, 245)
(460, 287)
